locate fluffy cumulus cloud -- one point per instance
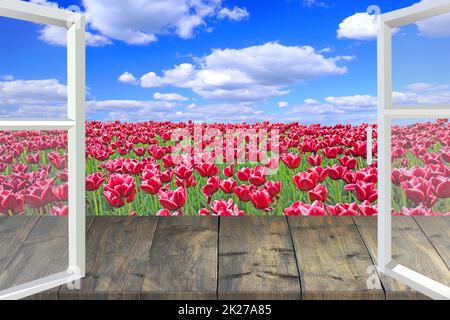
(248, 74)
(140, 22)
(127, 77)
(360, 26)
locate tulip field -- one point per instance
(171, 169)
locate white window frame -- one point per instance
(75, 25)
(387, 113)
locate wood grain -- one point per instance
(42, 253)
(13, 231)
(410, 247)
(117, 257)
(437, 230)
(332, 259)
(183, 259)
(257, 259)
(52, 294)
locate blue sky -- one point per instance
(223, 61)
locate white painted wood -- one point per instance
(76, 136)
(425, 112)
(39, 285)
(369, 145)
(76, 162)
(415, 13)
(36, 13)
(386, 113)
(418, 281)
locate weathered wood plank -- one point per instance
(257, 259)
(332, 259)
(117, 255)
(183, 259)
(42, 253)
(409, 247)
(13, 231)
(437, 230)
(52, 294)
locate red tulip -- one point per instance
(94, 181)
(168, 161)
(226, 208)
(367, 209)
(151, 186)
(166, 176)
(258, 176)
(273, 188)
(244, 174)
(348, 162)
(33, 158)
(315, 160)
(3, 166)
(57, 160)
(343, 209)
(207, 170)
(321, 172)
(302, 209)
(364, 191)
(305, 181)
(330, 153)
(243, 192)
(120, 189)
(261, 199)
(173, 200)
(39, 197)
(228, 185)
(291, 160)
(211, 187)
(204, 212)
(187, 183)
(11, 203)
(337, 172)
(60, 210)
(442, 187)
(183, 172)
(139, 151)
(228, 171)
(319, 193)
(61, 192)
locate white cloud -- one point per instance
(310, 101)
(128, 104)
(141, 21)
(235, 14)
(127, 77)
(283, 104)
(437, 27)
(169, 97)
(360, 26)
(356, 100)
(31, 92)
(248, 74)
